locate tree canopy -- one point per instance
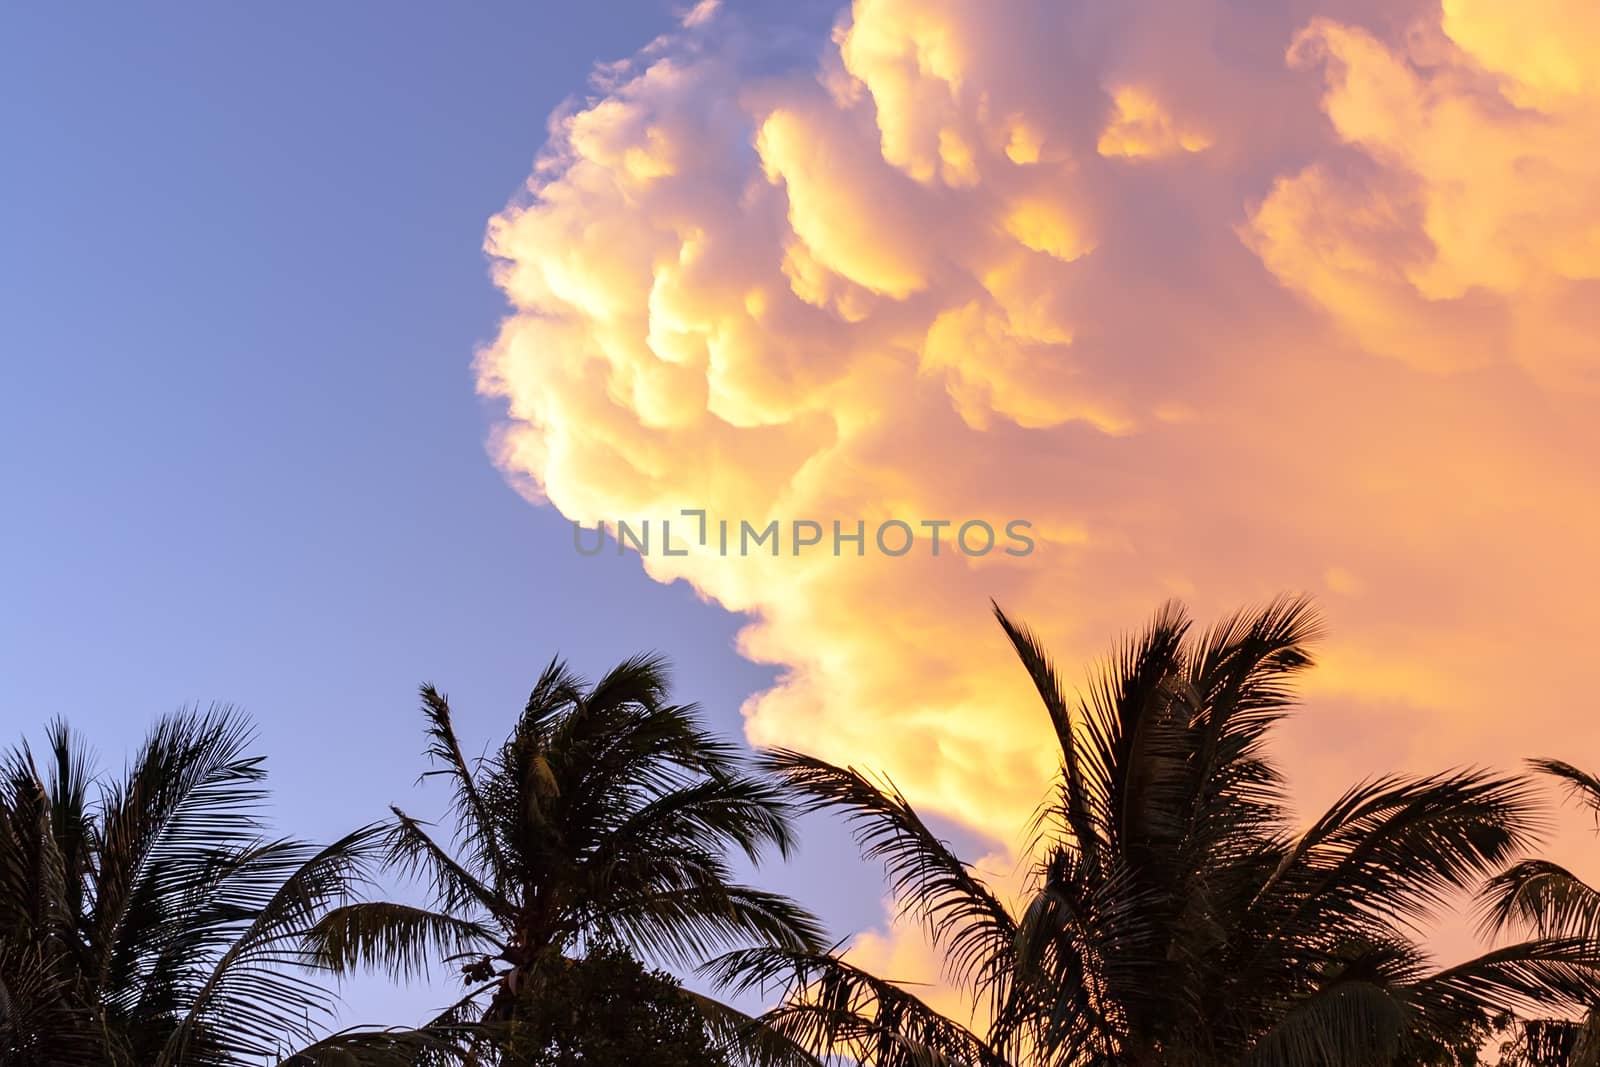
(606, 1009)
(608, 815)
(1177, 914)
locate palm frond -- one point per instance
(739, 810)
(412, 852)
(1581, 786)
(191, 794)
(833, 1008)
(1075, 807)
(254, 995)
(1542, 896)
(1348, 1022)
(699, 913)
(1551, 976)
(474, 825)
(400, 939)
(1395, 848)
(431, 1046)
(963, 915)
(745, 1039)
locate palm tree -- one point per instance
(1543, 895)
(147, 921)
(607, 816)
(1548, 899)
(1175, 917)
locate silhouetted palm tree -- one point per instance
(146, 921)
(1542, 894)
(1175, 916)
(1550, 900)
(607, 815)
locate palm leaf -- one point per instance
(963, 915)
(397, 938)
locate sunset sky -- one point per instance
(323, 328)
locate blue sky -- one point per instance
(240, 285)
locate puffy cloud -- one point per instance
(1142, 129)
(1223, 299)
(1464, 231)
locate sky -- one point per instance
(241, 284)
(320, 332)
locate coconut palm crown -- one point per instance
(1178, 915)
(146, 920)
(608, 815)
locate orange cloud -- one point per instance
(1222, 303)
(1141, 128)
(1468, 234)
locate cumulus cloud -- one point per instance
(1224, 299)
(1463, 231)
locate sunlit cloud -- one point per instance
(1222, 301)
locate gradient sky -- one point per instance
(1226, 297)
